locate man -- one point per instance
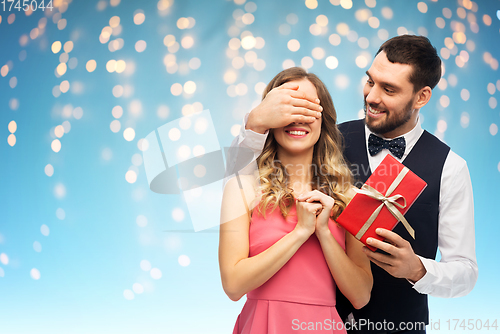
(400, 82)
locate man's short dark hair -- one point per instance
(418, 52)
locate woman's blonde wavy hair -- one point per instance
(330, 173)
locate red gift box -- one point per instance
(382, 201)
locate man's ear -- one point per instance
(423, 96)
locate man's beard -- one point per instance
(391, 123)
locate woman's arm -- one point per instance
(350, 269)
(240, 273)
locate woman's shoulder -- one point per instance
(239, 197)
(246, 183)
(242, 184)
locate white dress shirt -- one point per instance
(456, 273)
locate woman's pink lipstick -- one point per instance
(296, 132)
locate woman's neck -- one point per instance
(298, 170)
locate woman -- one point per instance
(288, 254)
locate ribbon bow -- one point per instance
(389, 202)
(395, 146)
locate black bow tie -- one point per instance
(395, 146)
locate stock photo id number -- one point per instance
(25, 5)
(464, 325)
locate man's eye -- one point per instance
(389, 90)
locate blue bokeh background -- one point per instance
(85, 246)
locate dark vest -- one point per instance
(394, 299)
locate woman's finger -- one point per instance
(324, 200)
(304, 196)
(315, 199)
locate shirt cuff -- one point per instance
(253, 140)
(424, 285)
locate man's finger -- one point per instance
(297, 102)
(392, 237)
(301, 119)
(382, 265)
(388, 248)
(289, 85)
(382, 258)
(304, 112)
(302, 95)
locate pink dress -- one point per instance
(300, 297)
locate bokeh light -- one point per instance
(44, 229)
(189, 87)
(60, 214)
(199, 150)
(4, 259)
(174, 134)
(128, 294)
(138, 288)
(155, 273)
(14, 104)
(12, 126)
(59, 191)
(176, 89)
(184, 260)
(56, 145)
(145, 265)
(139, 17)
(37, 246)
(293, 45)
(331, 62)
(140, 46)
(141, 221)
(442, 126)
(311, 4)
(422, 7)
(56, 46)
(49, 170)
(35, 274)
(131, 176)
(464, 119)
(178, 214)
(493, 129)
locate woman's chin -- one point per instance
(297, 150)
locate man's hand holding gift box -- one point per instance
(377, 208)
